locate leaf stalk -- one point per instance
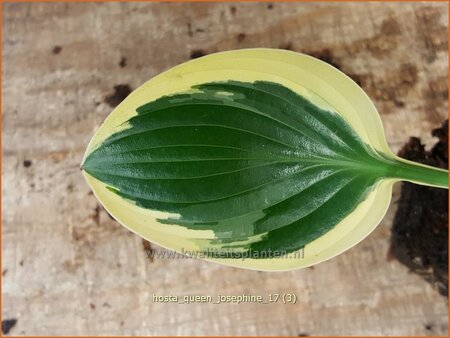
(419, 173)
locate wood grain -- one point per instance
(68, 269)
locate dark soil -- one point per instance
(8, 324)
(121, 91)
(148, 249)
(123, 62)
(56, 50)
(197, 53)
(420, 230)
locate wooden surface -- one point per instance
(68, 269)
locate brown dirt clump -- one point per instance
(420, 230)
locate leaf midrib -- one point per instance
(371, 172)
(289, 159)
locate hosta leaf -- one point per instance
(248, 158)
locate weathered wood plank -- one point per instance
(68, 269)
